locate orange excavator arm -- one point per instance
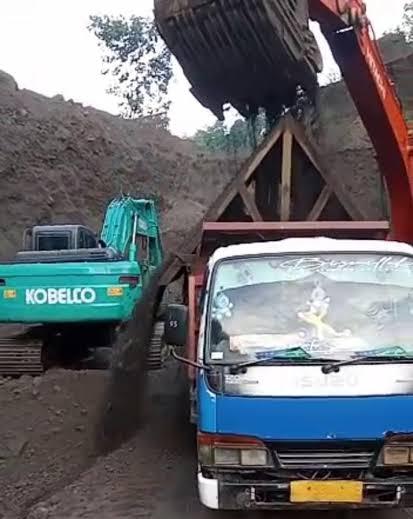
(347, 29)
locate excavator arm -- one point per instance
(350, 36)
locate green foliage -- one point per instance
(408, 20)
(212, 138)
(405, 29)
(139, 62)
(242, 137)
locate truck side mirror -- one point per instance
(176, 323)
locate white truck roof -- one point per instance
(310, 245)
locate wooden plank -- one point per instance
(250, 204)
(287, 150)
(175, 264)
(355, 212)
(246, 172)
(295, 227)
(262, 151)
(320, 204)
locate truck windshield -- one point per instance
(329, 306)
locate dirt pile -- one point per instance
(47, 433)
(61, 162)
(150, 476)
(347, 149)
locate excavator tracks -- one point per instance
(157, 351)
(23, 355)
(19, 357)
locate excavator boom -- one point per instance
(349, 33)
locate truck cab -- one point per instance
(304, 374)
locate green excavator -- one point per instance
(66, 295)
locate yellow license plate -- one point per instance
(10, 294)
(326, 492)
(115, 291)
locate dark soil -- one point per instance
(47, 433)
(61, 162)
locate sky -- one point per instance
(46, 46)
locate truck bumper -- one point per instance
(223, 495)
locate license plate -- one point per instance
(326, 492)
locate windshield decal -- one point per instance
(378, 265)
(318, 306)
(221, 306)
(344, 267)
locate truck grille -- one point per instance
(326, 459)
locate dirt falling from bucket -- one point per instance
(123, 406)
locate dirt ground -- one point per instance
(136, 481)
(152, 476)
(46, 436)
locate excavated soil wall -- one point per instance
(346, 147)
(61, 162)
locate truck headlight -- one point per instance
(397, 455)
(254, 457)
(243, 457)
(232, 451)
(226, 456)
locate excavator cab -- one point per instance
(58, 237)
(250, 54)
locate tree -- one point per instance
(139, 62)
(405, 29)
(408, 20)
(242, 137)
(212, 138)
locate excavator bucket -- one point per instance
(250, 54)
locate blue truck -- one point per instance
(301, 369)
